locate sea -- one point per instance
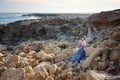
(6, 18)
(11, 17)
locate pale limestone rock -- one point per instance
(29, 72)
(49, 78)
(40, 54)
(46, 65)
(68, 52)
(61, 57)
(53, 69)
(41, 71)
(91, 58)
(89, 50)
(46, 57)
(1, 55)
(33, 62)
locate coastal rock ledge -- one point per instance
(41, 49)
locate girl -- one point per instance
(79, 53)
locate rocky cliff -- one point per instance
(42, 29)
(104, 25)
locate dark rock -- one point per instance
(106, 18)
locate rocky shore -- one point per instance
(40, 49)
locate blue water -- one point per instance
(11, 17)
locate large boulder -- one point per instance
(40, 54)
(36, 46)
(47, 57)
(115, 54)
(110, 43)
(92, 75)
(32, 62)
(57, 50)
(1, 55)
(2, 69)
(43, 56)
(41, 72)
(12, 59)
(89, 50)
(53, 69)
(13, 74)
(46, 65)
(68, 52)
(91, 58)
(26, 49)
(61, 57)
(29, 72)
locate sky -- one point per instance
(58, 6)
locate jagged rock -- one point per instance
(116, 33)
(2, 47)
(84, 76)
(115, 54)
(95, 76)
(1, 55)
(13, 59)
(104, 57)
(61, 67)
(22, 63)
(46, 65)
(101, 24)
(103, 65)
(22, 54)
(41, 71)
(70, 75)
(57, 50)
(11, 65)
(91, 58)
(32, 53)
(110, 42)
(49, 78)
(33, 62)
(98, 59)
(68, 52)
(36, 46)
(2, 69)
(46, 57)
(26, 49)
(40, 54)
(89, 50)
(67, 70)
(53, 69)
(106, 51)
(106, 18)
(49, 49)
(38, 76)
(63, 76)
(40, 29)
(13, 74)
(1, 63)
(2, 59)
(29, 72)
(61, 57)
(63, 45)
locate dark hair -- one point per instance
(83, 37)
